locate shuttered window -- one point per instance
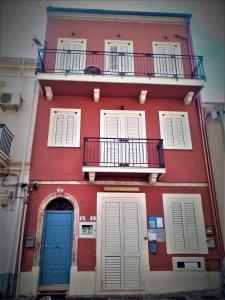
(119, 56)
(64, 128)
(185, 230)
(124, 131)
(175, 130)
(70, 56)
(167, 59)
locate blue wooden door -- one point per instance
(56, 247)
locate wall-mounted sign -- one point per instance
(156, 235)
(155, 222)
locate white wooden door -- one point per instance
(71, 56)
(123, 132)
(167, 59)
(121, 242)
(119, 57)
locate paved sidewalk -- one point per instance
(193, 295)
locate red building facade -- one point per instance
(121, 196)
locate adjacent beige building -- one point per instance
(215, 129)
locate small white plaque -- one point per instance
(92, 218)
(82, 218)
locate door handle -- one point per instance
(57, 247)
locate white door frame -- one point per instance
(144, 249)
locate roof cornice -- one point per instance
(65, 12)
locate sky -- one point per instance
(21, 20)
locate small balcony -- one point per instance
(66, 71)
(126, 158)
(6, 138)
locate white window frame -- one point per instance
(119, 42)
(168, 199)
(52, 127)
(187, 133)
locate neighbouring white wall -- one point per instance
(19, 122)
(15, 79)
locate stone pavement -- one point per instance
(193, 295)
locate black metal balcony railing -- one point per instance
(5, 141)
(119, 63)
(123, 152)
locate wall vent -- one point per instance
(188, 263)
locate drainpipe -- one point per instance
(212, 193)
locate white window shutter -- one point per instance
(175, 130)
(184, 224)
(112, 125)
(64, 128)
(177, 226)
(191, 228)
(120, 59)
(74, 61)
(132, 260)
(133, 126)
(112, 246)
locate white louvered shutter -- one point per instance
(110, 148)
(112, 258)
(175, 130)
(70, 61)
(120, 57)
(136, 152)
(184, 224)
(167, 59)
(64, 128)
(132, 259)
(185, 231)
(121, 245)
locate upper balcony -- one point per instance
(158, 75)
(6, 138)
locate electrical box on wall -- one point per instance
(6, 198)
(87, 229)
(30, 241)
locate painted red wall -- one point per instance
(57, 163)
(85, 196)
(87, 29)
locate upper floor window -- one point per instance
(184, 223)
(167, 59)
(64, 127)
(121, 134)
(119, 57)
(175, 130)
(70, 56)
